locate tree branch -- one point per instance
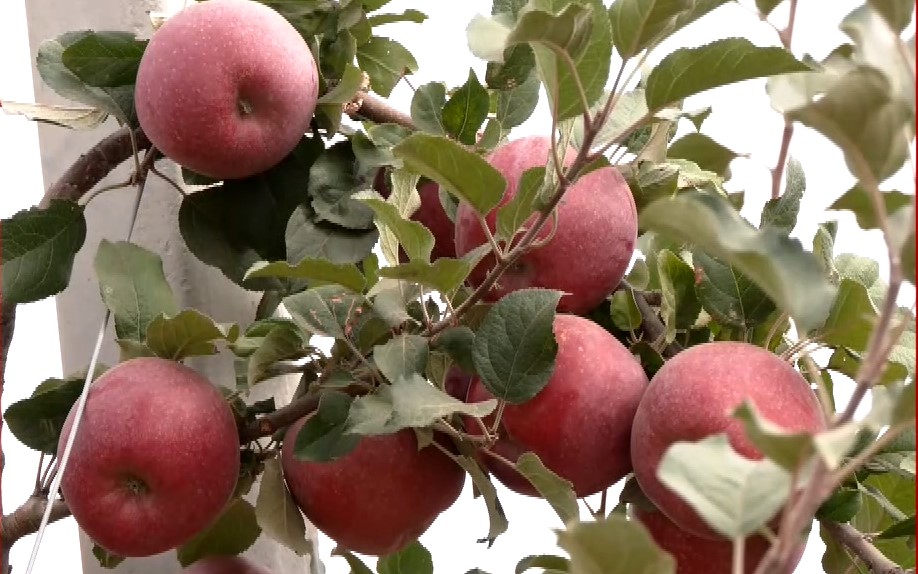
(26, 519)
(651, 324)
(855, 541)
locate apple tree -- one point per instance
(561, 313)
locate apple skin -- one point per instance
(226, 88)
(696, 555)
(579, 424)
(378, 498)
(430, 214)
(692, 397)
(155, 460)
(224, 565)
(457, 382)
(592, 248)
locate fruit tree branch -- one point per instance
(786, 36)
(860, 545)
(26, 519)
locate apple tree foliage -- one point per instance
(302, 234)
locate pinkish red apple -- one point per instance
(430, 214)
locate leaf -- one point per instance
(461, 172)
(190, 333)
(733, 494)
(766, 7)
(39, 247)
(401, 356)
(614, 545)
(515, 345)
(841, 506)
(703, 151)
(858, 201)
(232, 533)
(345, 88)
(307, 238)
(427, 108)
(777, 264)
(355, 564)
(458, 342)
(516, 67)
(72, 117)
(890, 499)
(316, 271)
(516, 105)
(390, 299)
(497, 519)
(325, 311)
(628, 110)
(37, 421)
(545, 561)
(283, 342)
(133, 286)
(558, 492)
(385, 61)
(105, 59)
(728, 296)
(333, 177)
(781, 213)
(410, 15)
(897, 13)
(680, 306)
(903, 528)
(413, 559)
(277, 513)
(465, 111)
(512, 215)
(106, 559)
(690, 71)
(323, 437)
(638, 24)
(415, 239)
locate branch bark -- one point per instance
(26, 519)
(860, 545)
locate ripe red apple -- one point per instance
(696, 555)
(155, 460)
(430, 214)
(456, 383)
(692, 397)
(592, 248)
(579, 424)
(378, 498)
(226, 88)
(224, 565)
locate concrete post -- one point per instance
(196, 285)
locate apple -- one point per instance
(430, 214)
(579, 424)
(224, 565)
(592, 248)
(226, 88)
(155, 459)
(692, 397)
(457, 382)
(378, 498)
(696, 555)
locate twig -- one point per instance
(26, 519)
(852, 539)
(650, 323)
(778, 171)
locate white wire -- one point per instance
(80, 406)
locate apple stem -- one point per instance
(498, 413)
(739, 559)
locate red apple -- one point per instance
(226, 88)
(456, 383)
(696, 555)
(692, 397)
(579, 424)
(430, 214)
(224, 565)
(594, 243)
(155, 460)
(378, 498)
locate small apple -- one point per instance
(155, 459)
(579, 424)
(224, 565)
(692, 397)
(378, 498)
(592, 248)
(226, 88)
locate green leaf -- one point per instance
(427, 108)
(308, 238)
(283, 342)
(415, 239)
(356, 565)
(413, 559)
(546, 561)
(106, 559)
(558, 492)
(680, 305)
(333, 178)
(390, 299)
(625, 314)
(402, 356)
(629, 109)
(385, 61)
(466, 110)
(516, 105)
(187, 334)
(105, 59)
(841, 506)
(690, 71)
(703, 151)
(728, 296)
(323, 437)
(410, 15)
(779, 266)
(515, 345)
(766, 7)
(517, 66)
(233, 532)
(734, 495)
(513, 214)
(637, 24)
(39, 247)
(487, 37)
(71, 117)
(890, 499)
(858, 201)
(897, 13)
(781, 213)
(614, 545)
(345, 88)
(326, 310)
(458, 343)
(316, 271)
(37, 421)
(133, 286)
(903, 528)
(461, 172)
(497, 519)
(277, 513)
